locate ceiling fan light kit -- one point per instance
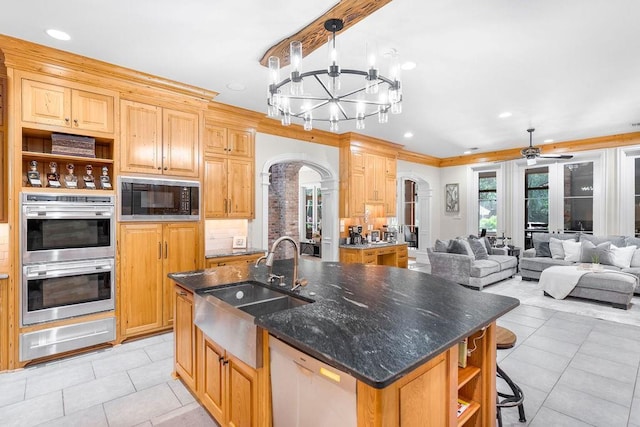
(333, 94)
(532, 153)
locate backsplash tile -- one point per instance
(219, 234)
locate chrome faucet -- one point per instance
(269, 258)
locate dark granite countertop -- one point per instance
(376, 323)
(218, 253)
(372, 245)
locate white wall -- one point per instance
(272, 149)
(452, 224)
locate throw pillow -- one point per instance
(596, 240)
(635, 260)
(541, 244)
(441, 245)
(555, 247)
(460, 246)
(571, 250)
(631, 241)
(487, 244)
(600, 254)
(478, 248)
(622, 256)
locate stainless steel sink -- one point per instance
(240, 294)
(225, 314)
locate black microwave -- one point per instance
(150, 199)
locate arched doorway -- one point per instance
(285, 165)
(416, 209)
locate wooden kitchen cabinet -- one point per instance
(185, 336)
(390, 185)
(394, 256)
(232, 260)
(367, 178)
(220, 140)
(66, 107)
(228, 387)
(228, 172)
(148, 252)
(374, 173)
(157, 140)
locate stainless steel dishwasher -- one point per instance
(307, 392)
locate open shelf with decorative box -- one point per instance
(41, 148)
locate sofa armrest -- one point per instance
(454, 267)
(529, 253)
(499, 251)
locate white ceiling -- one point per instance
(569, 68)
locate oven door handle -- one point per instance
(71, 271)
(52, 212)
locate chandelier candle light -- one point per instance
(366, 93)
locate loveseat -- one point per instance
(551, 249)
(471, 262)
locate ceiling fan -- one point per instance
(532, 153)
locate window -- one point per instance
(487, 201)
(578, 197)
(313, 211)
(536, 202)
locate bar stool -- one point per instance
(507, 339)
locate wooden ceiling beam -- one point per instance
(314, 35)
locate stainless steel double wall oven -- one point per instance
(68, 270)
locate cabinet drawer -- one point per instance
(386, 251)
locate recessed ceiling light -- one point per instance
(504, 115)
(408, 134)
(635, 124)
(58, 35)
(548, 140)
(408, 65)
(470, 150)
(238, 87)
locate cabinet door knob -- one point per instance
(66, 119)
(165, 168)
(159, 168)
(75, 122)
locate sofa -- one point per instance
(592, 248)
(471, 262)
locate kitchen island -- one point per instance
(394, 330)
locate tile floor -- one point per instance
(574, 370)
(127, 385)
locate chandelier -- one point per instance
(333, 94)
